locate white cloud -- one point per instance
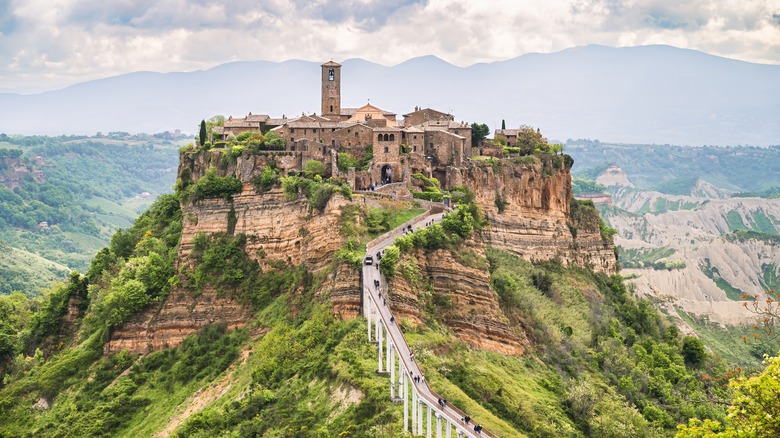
(48, 43)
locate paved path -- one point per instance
(371, 273)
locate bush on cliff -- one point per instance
(314, 188)
(213, 186)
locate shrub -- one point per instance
(266, 180)
(314, 167)
(389, 261)
(213, 186)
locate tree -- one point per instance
(693, 351)
(479, 131)
(203, 134)
(503, 124)
(530, 141)
(314, 167)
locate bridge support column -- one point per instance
(377, 320)
(404, 395)
(448, 426)
(420, 417)
(438, 426)
(389, 354)
(379, 331)
(391, 360)
(415, 402)
(430, 414)
(369, 309)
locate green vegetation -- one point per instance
(479, 131)
(313, 188)
(251, 141)
(735, 168)
(212, 186)
(431, 190)
(713, 274)
(345, 160)
(453, 229)
(84, 188)
(649, 258)
(753, 410)
(584, 216)
(729, 343)
(267, 179)
(582, 186)
(601, 363)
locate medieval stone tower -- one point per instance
(331, 90)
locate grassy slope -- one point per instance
(27, 271)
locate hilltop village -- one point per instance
(426, 141)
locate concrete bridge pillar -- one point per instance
(448, 427)
(415, 402)
(389, 355)
(420, 417)
(428, 429)
(404, 395)
(377, 320)
(369, 309)
(379, 330)
(391, 365)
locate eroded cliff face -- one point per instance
(276, 228)
(534, 221)
(458, 294)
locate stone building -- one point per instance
(427, 141)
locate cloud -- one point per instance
(48, 43)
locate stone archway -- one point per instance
(386, 175)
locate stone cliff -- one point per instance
(527, 202)
(458, 295)
(276, 228)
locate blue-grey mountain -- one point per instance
(649, 94)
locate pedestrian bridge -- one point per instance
(423, 415)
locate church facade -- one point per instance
(426, 140)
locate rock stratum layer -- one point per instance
(535, 224)
(461, 296)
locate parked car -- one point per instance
(369, 260)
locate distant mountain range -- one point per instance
(647, 94)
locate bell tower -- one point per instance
(331, 90)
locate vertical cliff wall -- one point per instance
(527, 202)
(276, 227)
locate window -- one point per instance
(415, 148)
(392, 137)
(331, 74)
(292, 130)
(387, 149)
(379, 137)
(356, 134)
(387, 137)
(414, 136)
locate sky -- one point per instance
(48, 44)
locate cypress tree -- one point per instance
(203, 134)
(503, 124)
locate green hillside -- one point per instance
(674, 169)
(599, 362)
(83, 188)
